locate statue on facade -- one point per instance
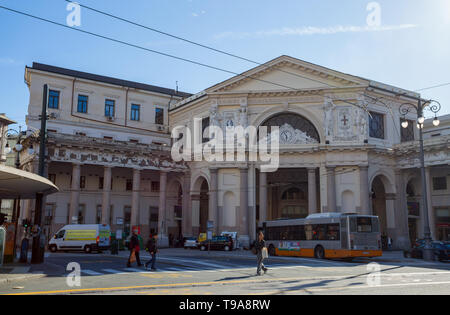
(328, 116)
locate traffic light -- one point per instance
(25, 223)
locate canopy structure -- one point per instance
(16, 183)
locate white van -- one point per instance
(86, 237)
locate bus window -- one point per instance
(361, 225)
(333, 233)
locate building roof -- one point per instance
(5, 120)
(109, 80)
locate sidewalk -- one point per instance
(17, 272)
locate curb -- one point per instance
(22, 278)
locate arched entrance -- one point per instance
(175, 212)
(383, 199)
(200, 205)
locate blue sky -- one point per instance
(411, 49)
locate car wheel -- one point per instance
(87, 249)
(407, 254)
(203, 248)
(227, 248)
(319, 252)
(53, 248)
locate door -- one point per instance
(412, 227)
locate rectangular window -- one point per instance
(135, 112)
(407, 134)
(376, 125)
(81, 214)
(82, 182)
(110, 108)
(159, 116)
(98, 218)
(205, 124)
(53, 99)
(82, 104)
(155, 186)
(100, 182)
(129, 186)
(440, 183)
(52, 178)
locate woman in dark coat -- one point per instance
(259, 245)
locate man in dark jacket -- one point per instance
(152, 248)
(260, 244)
(134, 247)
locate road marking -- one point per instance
(117, 272)
(136, 270)
(91, 272)
(194, 262)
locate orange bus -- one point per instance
(325, 235)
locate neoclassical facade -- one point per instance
(342, 149)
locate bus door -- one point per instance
(344, 233)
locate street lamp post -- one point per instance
(405, 109)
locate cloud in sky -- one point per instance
(312, 30)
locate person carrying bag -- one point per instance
(261, 253)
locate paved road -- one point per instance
(196, 273)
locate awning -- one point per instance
(15, 183)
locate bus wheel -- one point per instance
(272, 251)
(319, 252)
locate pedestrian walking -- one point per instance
(152, 248)
(261, 253)
(134, 250)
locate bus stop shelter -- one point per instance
(18, 184)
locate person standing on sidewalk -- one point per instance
(152, 248)
(260, 246)
(134, 250)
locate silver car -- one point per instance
(190, 242)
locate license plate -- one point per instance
(366, 253)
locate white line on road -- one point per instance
(194, 262)
(91, 272)
(117, 272)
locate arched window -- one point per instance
(294, 129)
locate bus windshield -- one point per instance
(363, 225)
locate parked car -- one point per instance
(217, 243)
(441, 250)
(190, 242)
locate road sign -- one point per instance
(210, 225)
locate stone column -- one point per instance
(401, 212)
(262, 198)
(243, 207)
(331, 189)
(106, 201)
(162, 223)
(364, 190)
(187, 213)
(75, 192)
(252, 202)
(135, 197)
(312, 191)
(213, 200)
(431, 219)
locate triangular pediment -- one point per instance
(287, 74)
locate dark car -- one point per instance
(441, 250)
(217, 243)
